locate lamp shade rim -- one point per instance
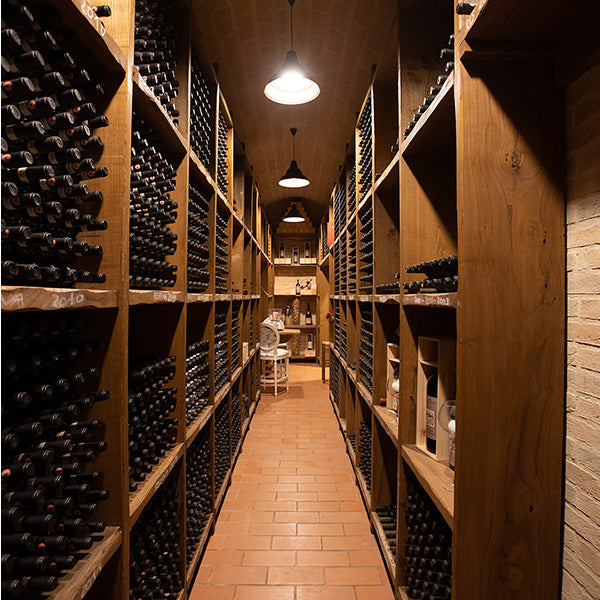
(294, 177)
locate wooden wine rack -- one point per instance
(162, 319)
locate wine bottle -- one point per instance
(281, 251)
(307, 250)
(298, 287)
(296, 259)
(308, 317)
(431, 412)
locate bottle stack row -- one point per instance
(109, 308)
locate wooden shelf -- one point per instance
(221, 495)
(303, 295)
(388, 557)
(362, 484)
(23, 298)
(387, 298)
(445, 300)
(137, 297)
(197, 425)
(436, 478)
(77, 582)
(141, 497)
(324, 259)
(222, 393)
(193, 297)
(436, 123)
(151, 110)
(388, 171)
(368, 397)
(389, 422)
(191, 570)
(199, 170)
(236, 374)
(80, 16)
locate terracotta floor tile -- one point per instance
(203, 574)
(296, 478)
(325, 592)
(357, 528)
(212, 592)
(231, 528)
(356, 542)
(295, 575)
(223, 557)
(273, 529)
(317, 487)
(296, 517)
(239, 575)
(382, 592)
(320, 529)
(350, 506)
(246, 542)
(319, 506)
(278, 487)
(297, 496)
(353, 576)
(265, 592)
(364, 558)
(321, 558)
(343, 517)
(297, 543)
(245, 516)
(275, 506)
(270, 558)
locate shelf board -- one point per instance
(222, 393)
(200, 170)
(294, 294)
(222, 297)
(387, 298)
(388, 556)
(197, 425)
(295, 266)
(351, 454)
(351, 374)
(510, 20)
(362, 485)
(364, 393)
(153, 112)
(442, 300)
(137, 297)
(238, 296)
(141, 497)
(324, 259)
(436, 123)
(191, 570)
(364, 297)
(389, 422)
(236, 374)
(387, 171)
(435, 477)
(77, 582)
(221, 495)
(18, 298)
(193, 297)
(402, 595)
(80, 16)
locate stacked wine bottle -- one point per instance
(236, 420)
(388, 516)
(324, 246)
(389, 288)
(336, 272)
(447, 55)
(344, 342)
(351, 280)
(198, 491)
(151, 210)
(365, 248)
(50, 483)
(221, 256)
(202, 113)
(152, 430)
(337, 331)
(428, 548)
(198, 237)
(223, 157)
(441, 276)
(334, 370)
(365, 144)
(155, 559)
(343, 265)
(364, 463)
(221, 350)
(366, 347)
(197, 380)
(352, 188)
(155, 52)
(49, 151)
(339, 205)
(222, 458)
(236, 351)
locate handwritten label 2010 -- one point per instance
(90, 13)
(65, 301)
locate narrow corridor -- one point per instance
(293, 525)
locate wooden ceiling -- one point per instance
(337, 42)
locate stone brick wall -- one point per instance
(581, 558)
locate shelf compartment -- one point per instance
(77, 582)
(388, 557)
(153, 113)
(199, 171)
(158, 475)
(389, 422)
(80, 16)
(435, 126)
(197, 425)
(191, 570)
(436, 478)
(21, 298)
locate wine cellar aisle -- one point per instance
(293, 525)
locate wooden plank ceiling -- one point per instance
(337, 42)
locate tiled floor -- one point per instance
(293, 526)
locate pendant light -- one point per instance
(293, 177)
(292, 85)
(294, 215)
